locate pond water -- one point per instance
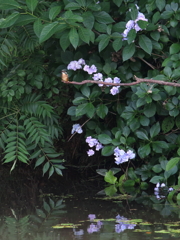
(91, 216)
(29, 214)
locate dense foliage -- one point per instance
(40, 38)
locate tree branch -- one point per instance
(138, 81)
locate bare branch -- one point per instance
(138, 81)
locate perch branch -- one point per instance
(138, 81)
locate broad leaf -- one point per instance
(31, 4)
(74, 37)
(110, 178)
(54, 11)
(48, 31)
(172, 162)
(10, 20)
(145, 43)
(128, 51)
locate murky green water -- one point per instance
(88, 217)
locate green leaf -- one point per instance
(104, 138)
(8, 4)
(150, 110)
(128, 51)
(37, 26)
(58, 171)
(144, 151)
(72, 6)
(103, 17)
(88, 19)
(51, 171)
(160, 4)
(10, 20)
(84, 34)
(155, 129)
(81, 109)
(31, 4)
(142, 135)
(46, 167)
(40, 161)
(102, 111)
(145, 43)
(156, 179)
(74, 37)
(174, 48)
(48, 31)
(90, 110)
(167, 124)
(104, 42)
(157, 168)
(118, 2)
(172, 162)
(110, 178)
(110, 191)
(54, 11)
(131, 36)
(64, 40)
(107, 151)
(24, 20)
(117, 44)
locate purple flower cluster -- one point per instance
(93, 142)
(122, 224)
(75, 65)
(115, 89)
(159, 188)
(76, 128)
(94, 227)
(133, 24)
(121, 156)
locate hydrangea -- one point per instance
(97, 76)
(89, 69)
(121, 156)
(114, 90)
(75, 65)
(76, 128)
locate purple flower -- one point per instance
(81, 61)
(131, 154)
(121, 156)
(100, 85)
(91, 216)
(108, 80)
(141, 17)
(74, 65)
(79, 232)
(76, 128)
(89, 69)
(97, 76)
(90, 152)
(91, 141)
(93, 228)
(114, 90)
(130, 24)
(99, 146)
(116, 80)
(171, 189)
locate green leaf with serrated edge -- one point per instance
(10, 20)
(128, 51)
(104, 138)
(48, 31)
(145, 43)
(54, 11)
(102, 111)
(142, 135)
(39, 161)
(107, 151)
(84, 34)
(172, 162)
(117, 44)
(160, 4)
(167, 124)
(155, 129)
(104, 42)
(37, 26)
(46, 167)
(58, 171)
(8, 4)
(110, 178)
(31, 4)
(74, 37)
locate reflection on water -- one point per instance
(83, 216)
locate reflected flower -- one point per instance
(122, 225)
(91, 216)
(79, 232)
(94, 227)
